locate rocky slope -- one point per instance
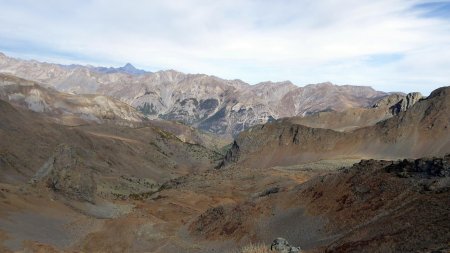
(421, 130)
(372, 206)
(75, 110)
(63, 107)
(210, 103)
(29, 141)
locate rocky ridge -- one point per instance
(421, 130)
(354, 118)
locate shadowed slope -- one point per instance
(28, 140)
(419, 131)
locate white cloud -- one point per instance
(254, 40)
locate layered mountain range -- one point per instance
(93, 159)
(220, 106)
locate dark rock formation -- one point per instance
(66, 173)
(231, 156)
(407, 102)
(436, 167)
(282, 245)
(269, 191)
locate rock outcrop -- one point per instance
(67, 173)
(389, 101)
(281, 245)
(407, 102)
(421, 168)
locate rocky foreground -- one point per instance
(399, 206)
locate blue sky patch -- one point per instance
(439, 9)
(382, 59)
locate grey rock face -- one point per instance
(66, 173)
(410, 100)
(282, 245)
(406, 103)
(399, 103)
(389, 101)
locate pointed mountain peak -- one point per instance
(129, 66)
(130, 69)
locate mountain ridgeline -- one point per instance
(224, 107)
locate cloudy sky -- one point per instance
(392, 45)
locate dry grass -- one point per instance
(253, 248)
(326, 164)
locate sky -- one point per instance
(391, 45)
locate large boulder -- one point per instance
(282, 245)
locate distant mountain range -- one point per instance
(216, 105)
(126, 69)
